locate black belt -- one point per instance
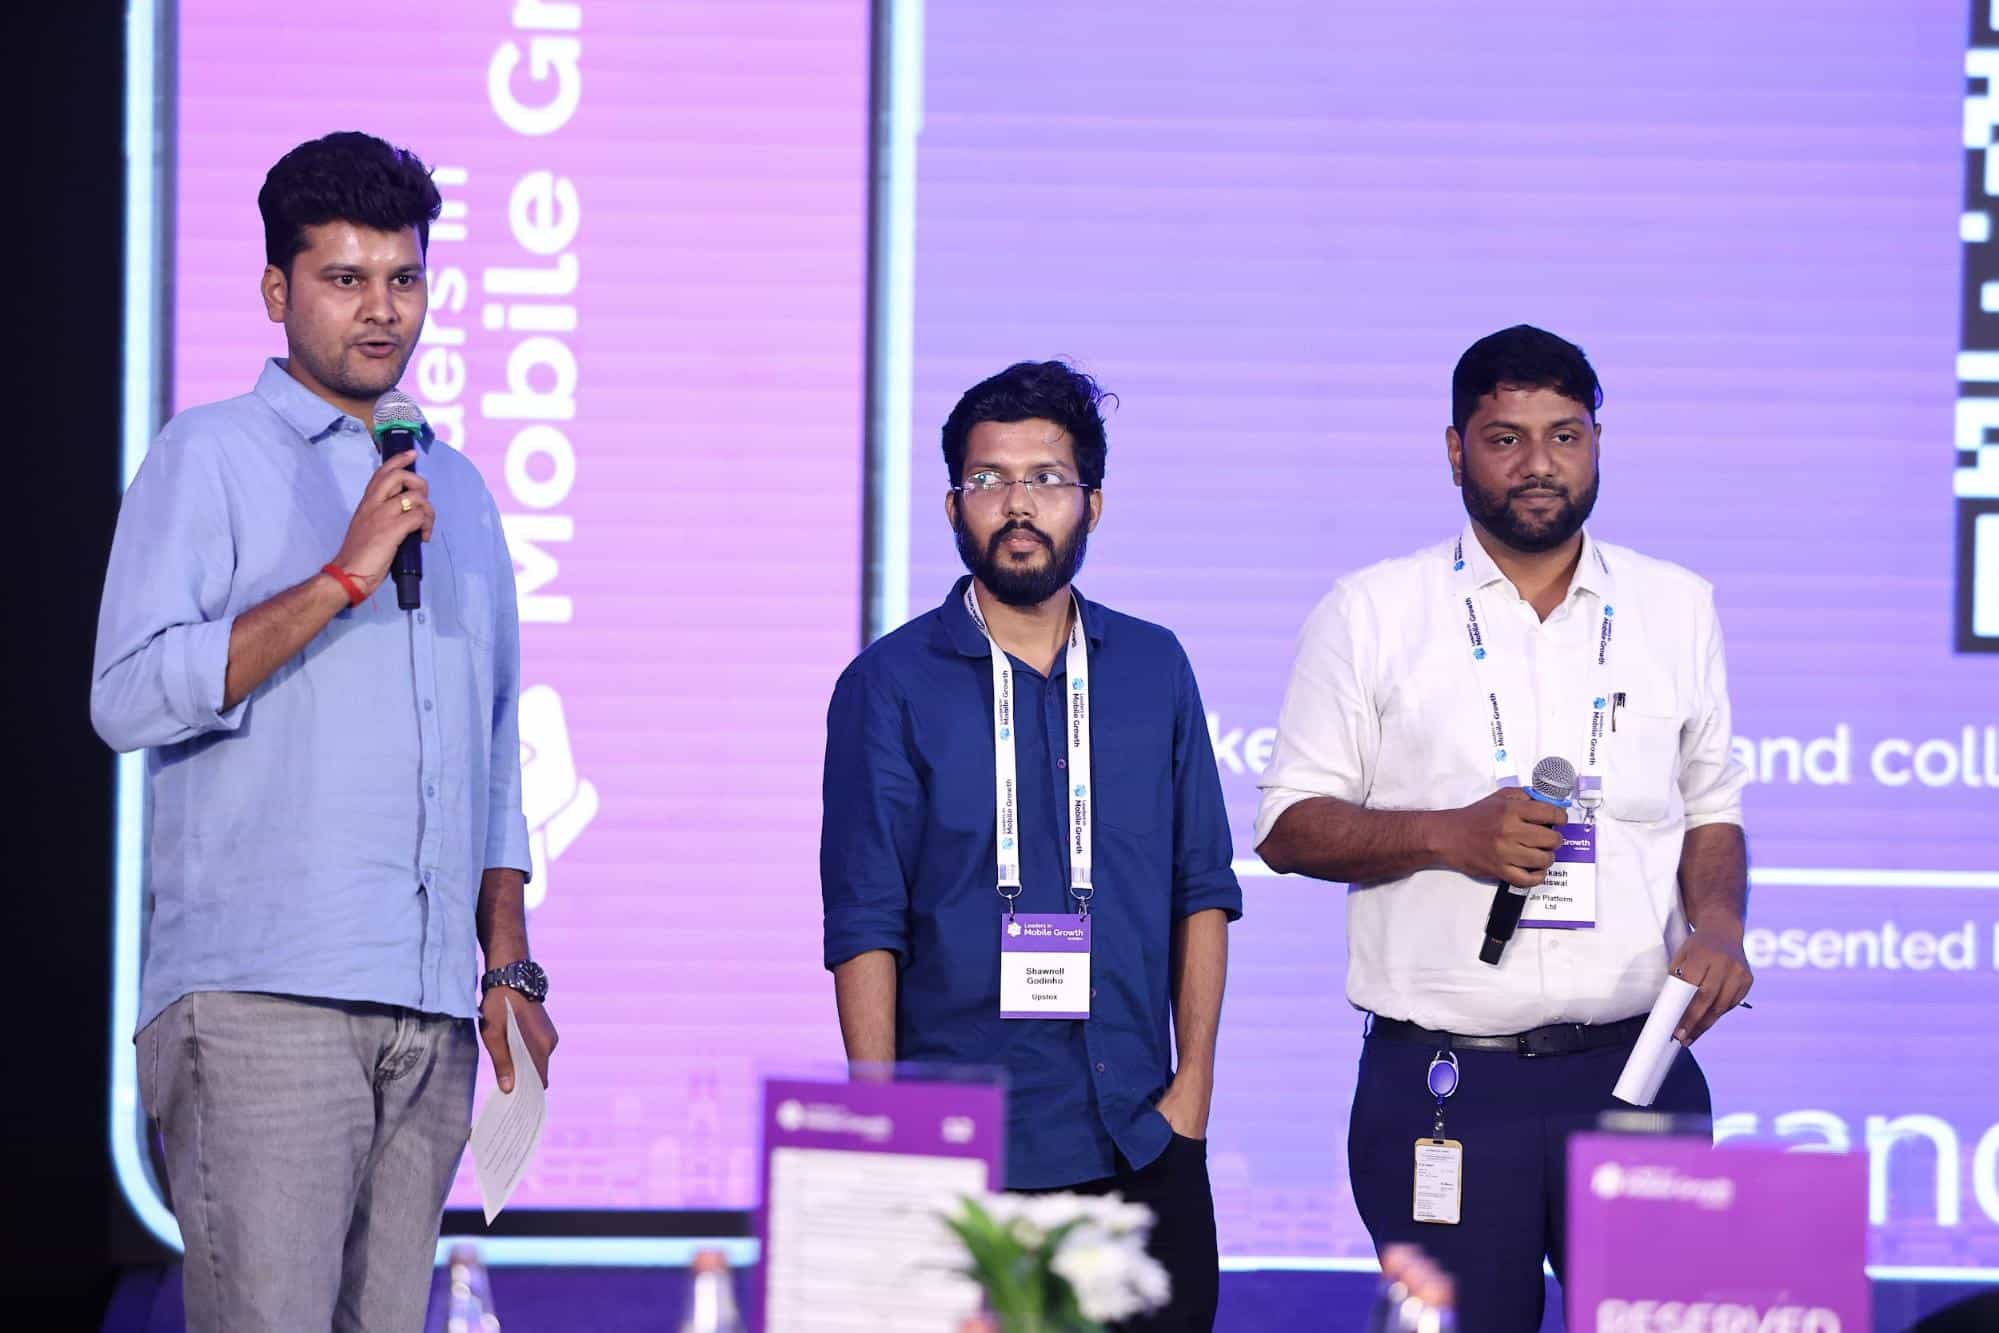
(1554, 1039)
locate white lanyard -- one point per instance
(1505, 764)
(1006, 793)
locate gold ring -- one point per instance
(408, 504)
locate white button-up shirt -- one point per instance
(1388, 709)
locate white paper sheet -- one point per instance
(1652, 1057)
(509, 1127)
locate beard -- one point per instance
(1495, 512)
(358, 378)
(1016, 584)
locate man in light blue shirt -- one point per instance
(336, 829)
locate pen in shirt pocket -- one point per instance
(1616, 702)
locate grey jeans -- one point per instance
(309, 1147)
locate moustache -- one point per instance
(992, 547)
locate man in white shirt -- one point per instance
(1424, 689)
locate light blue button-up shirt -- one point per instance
(326, 836)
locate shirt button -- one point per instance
(430, 789)
(428, 705)
(1061, 763)
(419, 617)
(1100, 1066)
(1093, 995)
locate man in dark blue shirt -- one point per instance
(1020, 767)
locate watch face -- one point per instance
(525, 976)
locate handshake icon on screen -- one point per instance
(559, 805)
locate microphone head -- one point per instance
(396, 410)
(1555, 778)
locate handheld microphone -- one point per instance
(1554, 782)
(398, 425)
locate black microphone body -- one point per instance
(398, 423)
(1508, 902)
(407, 569)
(1554, 782)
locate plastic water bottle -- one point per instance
(711, 1302)
(469, 1303)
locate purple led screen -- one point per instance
(1270, 229)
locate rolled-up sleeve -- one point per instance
(1203, 851)
(162, 656)
(507, 844)
(871, 825)
(1711, 779)
(1329, 731)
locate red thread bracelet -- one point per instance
(354, 594)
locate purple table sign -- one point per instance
(961, 1118)
(1672, 1233)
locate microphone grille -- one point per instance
(396, 408)
(1555, 778)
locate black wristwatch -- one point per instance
(524, 976)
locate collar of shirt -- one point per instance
(966, 636)
(306, 412)
(1592, 570)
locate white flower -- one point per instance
(1119, 1218)
(1102, 1256)
(1112, 1275)
(1049, 1211)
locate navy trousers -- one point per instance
(1513, 1114)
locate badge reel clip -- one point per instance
(1443, 1081)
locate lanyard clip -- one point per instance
(1442, 1080)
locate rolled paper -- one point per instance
(1652, 1058)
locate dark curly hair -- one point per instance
(1034, 391)
(344, 177)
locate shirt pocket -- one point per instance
(1641, 769)
(471, 588)
(1131, 767)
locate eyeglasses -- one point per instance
(990, 488)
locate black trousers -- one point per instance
(1513, 1114)
(1175, 1186)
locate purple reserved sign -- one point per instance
(1672, 1235)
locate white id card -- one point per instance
(1566, 900)
(1044, 965)
(1440, 1180)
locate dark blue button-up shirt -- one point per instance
(907, 864)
